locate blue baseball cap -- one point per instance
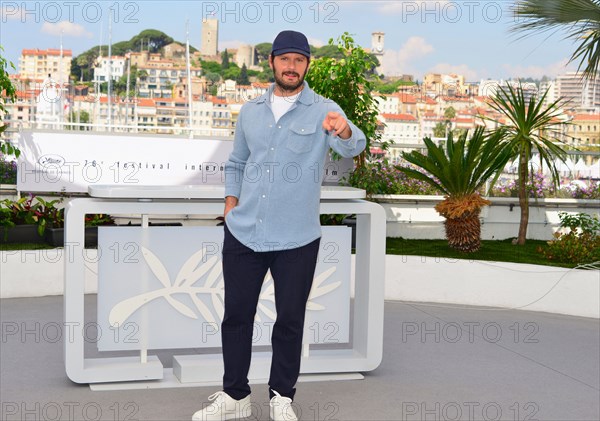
(291, 42)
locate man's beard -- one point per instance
(289, 86)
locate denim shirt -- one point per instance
(276, 170)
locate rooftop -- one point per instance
(48, 52)
(399, 117)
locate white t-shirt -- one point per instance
(281, 104)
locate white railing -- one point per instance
(119, 128)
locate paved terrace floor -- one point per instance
(440, 362)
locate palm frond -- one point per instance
(463, 166)
(528, 122)
(580, 19)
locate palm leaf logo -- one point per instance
(194, 269)
(190, 273)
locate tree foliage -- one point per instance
(449, 113)
(531, 127)
(345, 81)
(440, 129)
(232, 72)
(263, 50)
(390, 87)
(8, 93)
(330, 50)
(243, 77)
(82, 66)
(152, 39)
(225, 60)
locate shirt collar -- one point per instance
(307, 95)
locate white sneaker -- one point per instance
(281, 408)
(224, 407)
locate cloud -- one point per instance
(409, 6)
(457, 69)
(401, 61)
(67, 28)
(536, 72)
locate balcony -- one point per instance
(162, 121)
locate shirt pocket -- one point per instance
(301, 137)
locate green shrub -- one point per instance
(8, 171)
(580, 245)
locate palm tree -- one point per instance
(531, 127)
(580, 19)
(459, 170)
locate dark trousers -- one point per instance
(243, 272)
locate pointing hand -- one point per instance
(336, 122)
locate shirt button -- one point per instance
(270, 125)
(279, 127)
(268, 170)
(272, 149)
(260, 220)
(264, 196)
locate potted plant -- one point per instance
(25, 220)
(459, 170)
(55, 235)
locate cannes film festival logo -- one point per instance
(191, 273)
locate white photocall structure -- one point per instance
(162, 288)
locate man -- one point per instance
(272, 188)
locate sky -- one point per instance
(472, 38)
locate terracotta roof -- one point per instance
(27, 94)
(83, 98)
(402, 97)
(399, 117)
(17, 76)
(406, 98)
(145, 102)
(48, 52)
(216, 100)
(587, 117)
